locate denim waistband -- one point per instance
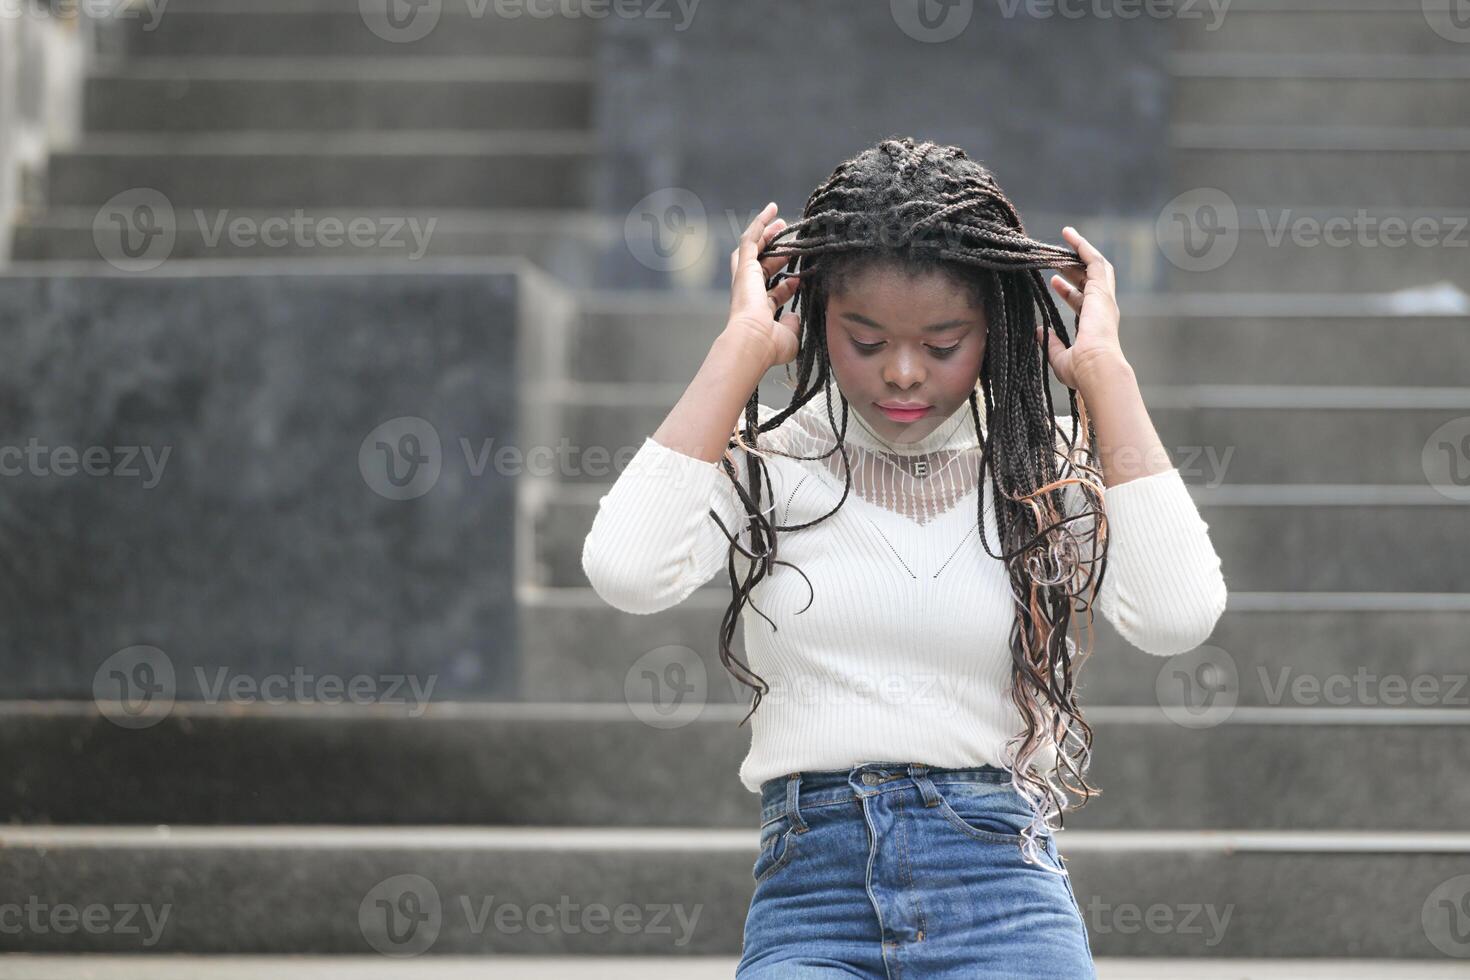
(818, 786)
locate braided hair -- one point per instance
(924, 206)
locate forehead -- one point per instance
(896, 297)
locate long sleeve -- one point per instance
(1164, 590)
(653, 541)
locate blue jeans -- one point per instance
(894, 870)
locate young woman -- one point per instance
(912, 540)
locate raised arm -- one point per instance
(1163, 590)
(653, 541)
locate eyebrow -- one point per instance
(931, 328)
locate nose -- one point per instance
(903, 370)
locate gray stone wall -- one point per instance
(742, 103)
(258, 475)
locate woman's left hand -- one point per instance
(1090, 292)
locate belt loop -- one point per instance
(920, 774)
(793, 802)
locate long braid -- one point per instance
(926, 206)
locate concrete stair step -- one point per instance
(1213, 91)
(371, 170)
(1215, 435)
(1392, 66)
(1348, 250)
(23, 966)
(1296, 27)
(1317, 338)
(1370, 168)
(1282, 249)
(306, 760)
(204, 95)
(1270, 538)
(1349, 137)
(292, 890)
(1321, 177)
(1277, 650)
(271, 6)
(565, 243)
(275, 29)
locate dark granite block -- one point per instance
(739, 104)
(207, 478)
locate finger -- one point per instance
(784, 290)
(753, 231)
(749, 245)
(771, 231)
(1099, 269)
(1073, 275)
(1069, 293)
(773, 264)
(1054, 346)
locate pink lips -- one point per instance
(906, 414)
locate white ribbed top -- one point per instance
(899, 649)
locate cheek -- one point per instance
(961, 372)
(845, 360)
(977, 355)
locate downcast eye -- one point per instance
(874, 347)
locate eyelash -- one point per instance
(940, 352)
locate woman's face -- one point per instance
(897, 337)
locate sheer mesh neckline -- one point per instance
(956, 432)
(920, 480)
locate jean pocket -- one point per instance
(985, 811)
(776, 847)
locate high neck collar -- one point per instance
(955, 432)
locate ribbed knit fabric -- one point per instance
(899, 648)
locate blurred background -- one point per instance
(324, 325)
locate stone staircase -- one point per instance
(1286, 801)
(272, 130)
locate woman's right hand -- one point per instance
(752, 308)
